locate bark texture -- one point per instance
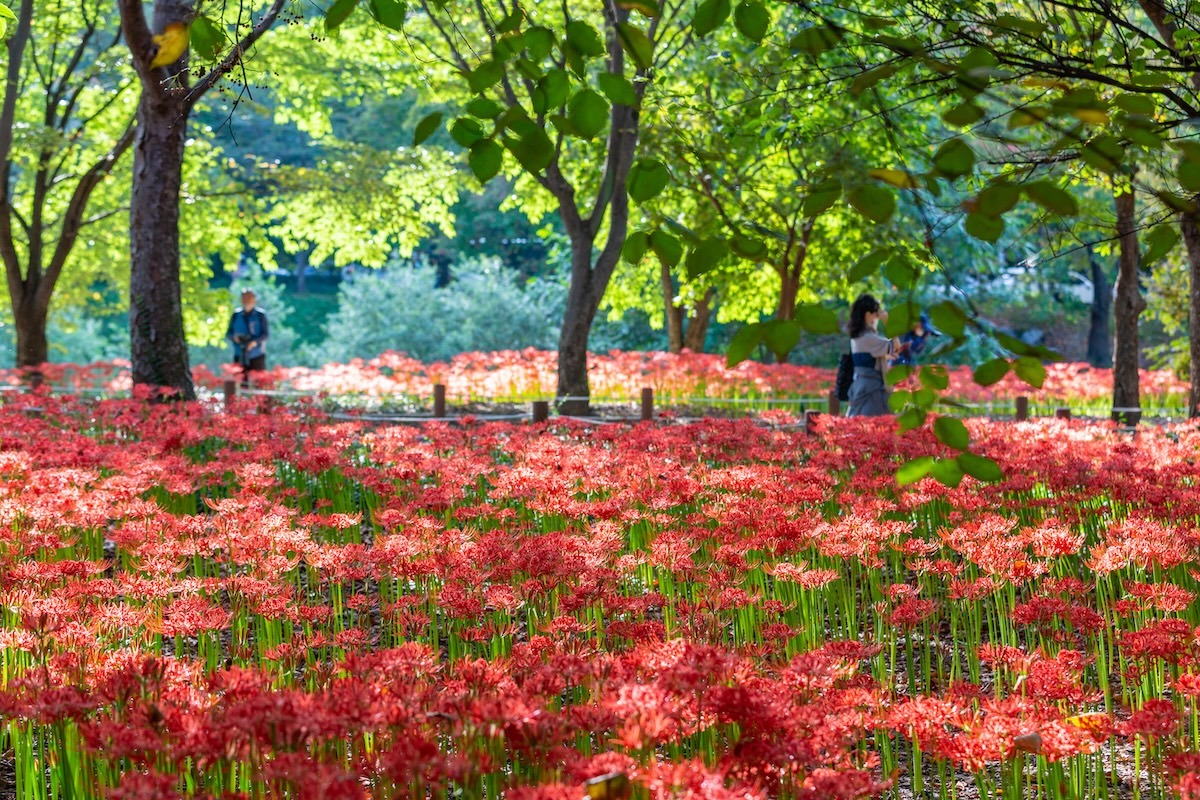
(159, 351)
(1128, 307)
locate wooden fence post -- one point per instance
(1022, 409)
(230, 393)
(647, 404)
(439, 400)
(1062, 413)
(541, 410)
(834, 405)
(810, 417)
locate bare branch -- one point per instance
(235, 55)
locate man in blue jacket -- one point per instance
(916, 340)
(248, 334)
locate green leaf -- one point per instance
(539, 41)
(1188, 173)
(980, 468)
(910, 420)
(948, 318)
(637, 44)
(898, 374)
(898, 399)
(781, 336)
(1135, 103)
(947, 472)
(951, 432)
(752, 19)
(1030, 370)
(991, 372)
(484, 108)
(901, 272)
(647, 8)
(588, 112)
(6, 13)
(954, 158)
(706, 256)
(1105, 153)
(337, 14)
(551, 91)
(935, 377)
(512, 22)
(389, 13)
(427, 127)
(871, 77)
(466, 131)
(485, 159)
(206, 37)
(635, 247)
(873, 202)
(895, 177)
(1159, 242)
(533, 150)
(867, 264)
(584, 39)
(647, 178)
(484, 76)
(817, 319)
(821, 198)
(668, 249)
(749, 248)
(984, 227)
(1051, 197)
(743, 343)
(998, 198)
(710, 15)
(962, 115)
(1029, 27)
(912, 471)
(817, 39)
(617, 89)
(900, 319)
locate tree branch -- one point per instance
(8, 115)
(73, 217)
(235, 55)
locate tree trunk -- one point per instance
(159, 348)
(1189, 226)
(302, 271)
(1128, 307)
(697, 330)
(1100, 341)
(573, 392)
(671, 312)
(29, 319)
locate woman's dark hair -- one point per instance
(865, 304)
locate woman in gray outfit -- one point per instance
(870, 351)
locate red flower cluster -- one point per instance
(247, 604)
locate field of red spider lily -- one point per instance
(266, 605)
(616, 377)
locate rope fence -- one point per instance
(1019, 409)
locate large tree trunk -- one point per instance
(159, 347)
(671, 312)
(1128, 307)
(1100, 343)
(573, 393)
(1189, 226)
(29, 319)
(697, 330)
